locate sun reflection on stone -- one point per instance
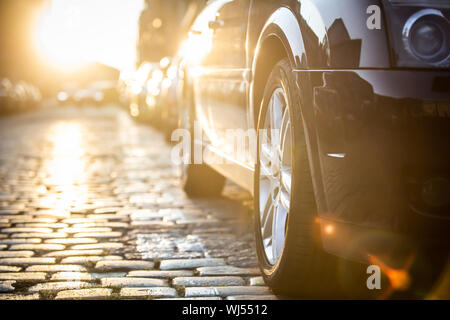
(66, 167)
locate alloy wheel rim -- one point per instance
(275, 175)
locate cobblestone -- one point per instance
(108, 210)
(106, 246)
(58, 286)
(20, 241)
(160, 274)
(148, 293)
(88, 260)
(190, 263)
(37, 247)
(82, 276)
(9, 269)
(226, 270)
(27, 230)
(73, 241)
(257, 281)
(6, 286)
(23, 276)
(124, 265)
(40, 235)
(34, 296)
(73, 253)
(98, 235)
(226, 291)
(56, 268)
(26, 261)
(91, 294)
(208, 281)
(86, 230)
(16, 254)
(133, 282)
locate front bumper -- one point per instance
(383, 142)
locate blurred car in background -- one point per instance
(137, 91)
(6, 96)
(18, 96)
(32, 95)
(152, 94)
(171, 90)
(159, 88)
(152, 90)
(123, 88)
(105, 92)
(95, 93)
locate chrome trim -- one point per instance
(337, 155)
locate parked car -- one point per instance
(171, 91)
(6, 96)
(18, 96)
(161, 97)
(138, 107)
(158, 43)
(105, 92)
(33, 95)
(351, 116)
(123, 88)
(95, 93)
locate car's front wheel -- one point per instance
(288, 239)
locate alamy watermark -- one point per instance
(374, 280)
(242, 146)
(374, 20)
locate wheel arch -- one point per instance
(279, 38)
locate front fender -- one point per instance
(284, 26)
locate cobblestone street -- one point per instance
(91, 208)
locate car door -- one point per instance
(221, 85)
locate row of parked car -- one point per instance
(153, 93)
(355, 164)
(18, 96)
(94, 93)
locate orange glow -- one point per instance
(329, 229)
(399, 279)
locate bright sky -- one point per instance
(70, 31)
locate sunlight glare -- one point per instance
(70, 33)
(55, 44)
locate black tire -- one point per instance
(198, 180)
(201, 181)
(303, 267)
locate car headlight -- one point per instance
(425, 36)
(419, 32)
